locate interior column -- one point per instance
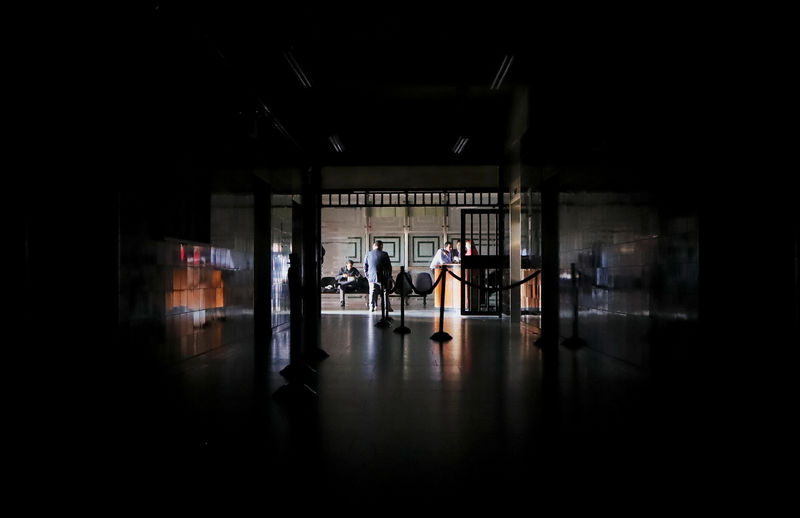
(550, 262)
(262, 266)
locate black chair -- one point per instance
(328, 281)
(362, 285)
(423, 282)
(404, 288)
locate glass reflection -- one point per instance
(531, 259)
(194, 298)
(281, 248)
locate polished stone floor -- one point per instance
(488, 411)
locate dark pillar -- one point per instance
(551, 396)
(550, 264)
(501, 235)
(262, 266)
(312, 265)
(297, 372)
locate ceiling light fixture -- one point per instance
(277, 123)
(460, 143)
(296, 69)
(336, 143)
(501, 72)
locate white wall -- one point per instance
(348, 232)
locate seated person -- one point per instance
(347, 279)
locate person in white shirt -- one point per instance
(443, 256)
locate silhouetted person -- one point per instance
(378, 269)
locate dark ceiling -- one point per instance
(249, 86)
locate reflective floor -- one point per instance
(397, 415)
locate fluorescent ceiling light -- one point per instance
(296, 69)
(501, 72)
(460, 143)
(277, 123)
(336, 143)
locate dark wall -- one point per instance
(180, 297)
(232, 228)
(638, 267)
(179, 139)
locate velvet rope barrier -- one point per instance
(496, 288)
(418, 292)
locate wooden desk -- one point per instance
(452, 294)
(531, 291)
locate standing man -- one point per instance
(378, 268)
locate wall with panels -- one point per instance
(343, 236)
(348, 233)
(386, 224)
(424, 235)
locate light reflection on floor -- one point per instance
(406, 411)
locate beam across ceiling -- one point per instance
(410, 177)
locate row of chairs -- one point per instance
(422, 281)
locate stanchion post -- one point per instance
(386, 305)
(403, 330)
(441, 336)
(383, 322)
(574, 341)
